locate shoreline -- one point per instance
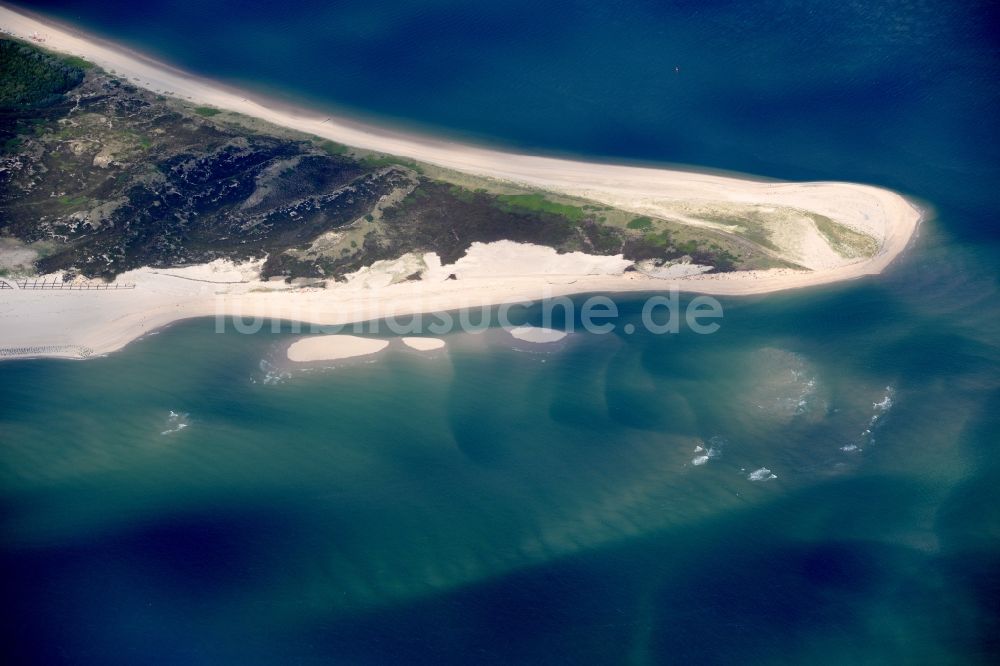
(79, 325)
(95, 323)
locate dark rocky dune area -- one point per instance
(98, 177)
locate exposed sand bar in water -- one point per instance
(333, 348)
(537, 334)
(424, 344)
(81, 324)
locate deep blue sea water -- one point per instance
(493, 505)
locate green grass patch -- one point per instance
(663, 239)
(462, 194)
(379, 161)
(759, 235)
(689, 246)
(77, 61)
(845, 241)
(66, 200)
(206, 111)
(141, 140)
(333, 148)
(640, 224)
(752, 226)
(537, 203)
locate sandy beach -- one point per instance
(77, 324)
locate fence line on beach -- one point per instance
(26, 283)
(44, 350)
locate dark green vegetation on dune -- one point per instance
(110, 177)
(30, 77)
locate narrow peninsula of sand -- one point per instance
(78, 324)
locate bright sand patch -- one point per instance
(537, 334)
(333, 348)
(424, 344)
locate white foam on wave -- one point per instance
(804, 401)
(272, 373)
(786, 384)
(707, 451)
(176, 422)
(762, 474)
(879, 409)
(885, 404)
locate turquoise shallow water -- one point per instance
(495, 504)
(524, 504)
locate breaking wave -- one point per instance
(762, 474)
(708, 450)
(786, 384)
(879, 410)
(272, 373)
(176, 422)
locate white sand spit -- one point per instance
(75, 324)
(333, 348)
